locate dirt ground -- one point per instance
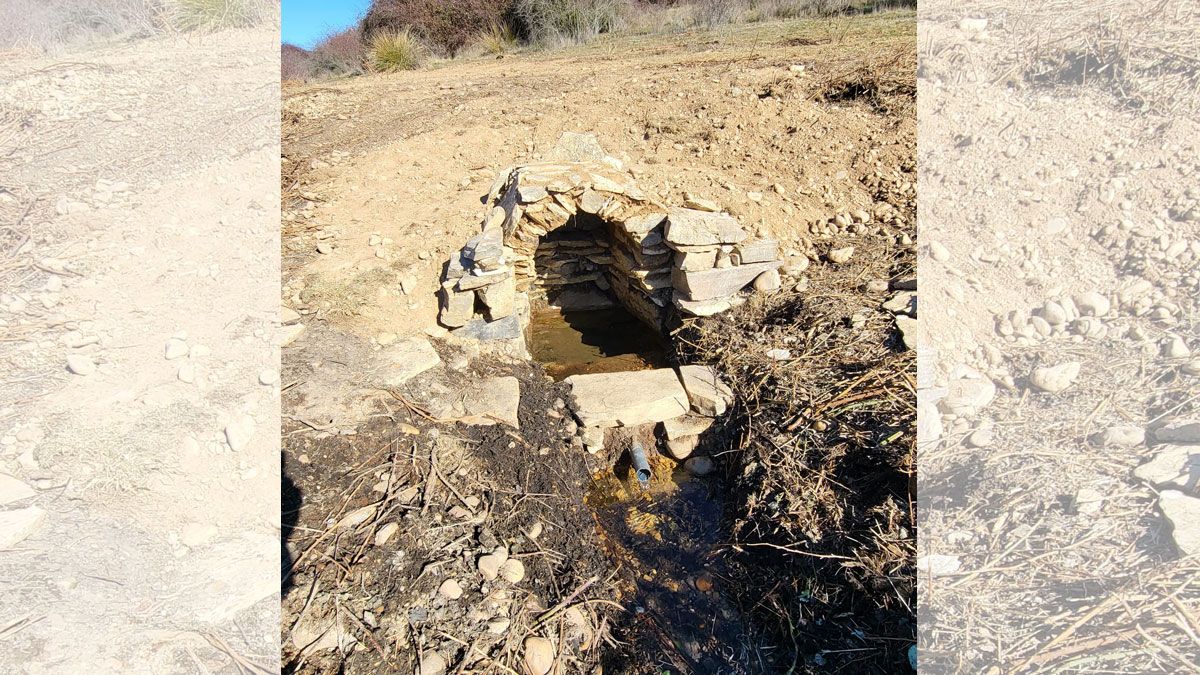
(1040, 550)
(383, 178)
(139, 205)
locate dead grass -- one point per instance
(497, 39)
(210, 15)
(345, 298)
(390, 52)
(448, 494)
(1044, 587)
(1148, 55)
(885, 79)
(827, 442)
(51, 25)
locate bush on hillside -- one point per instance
(393, 51)
(340, 53)
(497, 39)
(445, 26)
(568, 21)
(295, 63)
(713, 13)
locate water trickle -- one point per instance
(668, 532)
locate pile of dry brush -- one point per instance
(824, 445)
(1147, 54)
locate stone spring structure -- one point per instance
(577, 232)
(581, 234)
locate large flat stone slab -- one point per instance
(507, 328)
(690, 227)
(13, 490)
(706, 393)
(627, 399)
(408, 358)
(718, 283)
(16, 525)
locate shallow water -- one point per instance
(669, 534)
(595, 341)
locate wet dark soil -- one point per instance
(668, 534)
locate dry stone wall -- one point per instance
(581, 235)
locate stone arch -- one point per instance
(580, 226)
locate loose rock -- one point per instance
(1121, 437)
(938, 564)
(939, 252)
(767, 282)
(1172, 466)
(682, 447)
(384, 534)
(841, 255)
(1054, 379)
(699, 466)
(175, 348)
(539, 655)
(489, 565)
(432, 663)
(450, 589)
(966, 396)
(407, 359)
(513, 570)
(706, 392)
(1179, 431)
(1092, 304)
(1183, 512)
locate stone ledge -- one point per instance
(627, 399)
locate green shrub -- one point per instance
(568, 21)
(395, 50)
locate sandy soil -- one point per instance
(139, 185)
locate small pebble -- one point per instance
(450, 589)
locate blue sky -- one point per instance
(307, 21)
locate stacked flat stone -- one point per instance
(479, 292)
(578, 231)
(685, 401)
(714, 259)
